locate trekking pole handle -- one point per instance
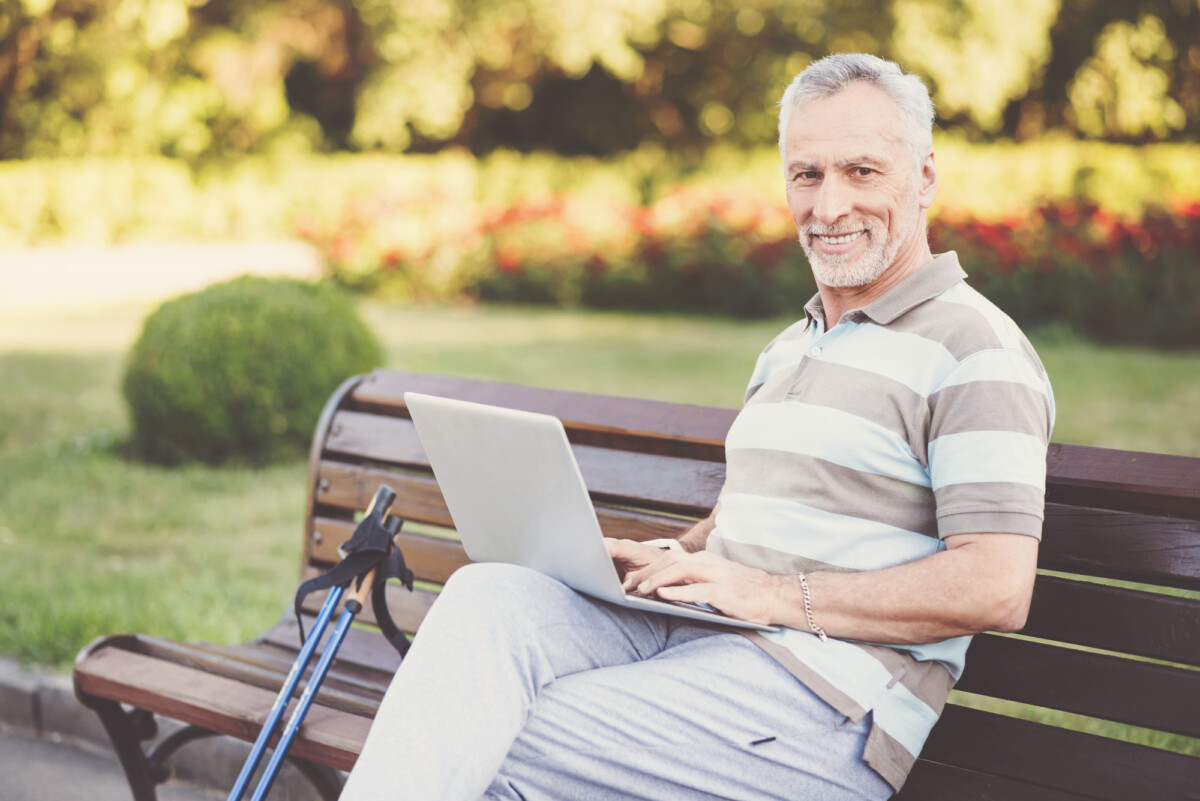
(382, 500)
(362, 592)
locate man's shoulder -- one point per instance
(964, 322)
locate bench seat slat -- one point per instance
(216, 703)
(430, 559)
(366, 655)
(1078, 475)
(408, 609)
(339, 690)
(1134, 547)
(1048, 756)
(689, 486)
(930, 781)
(652, 426)
(1085, 683)
(419, 499)
(434, 559)
(1075, 612)
(1150, 550)
(1130, 481)
(1115, 619)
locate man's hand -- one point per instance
(629, 556)
(733, 589)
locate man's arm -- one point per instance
(980, 582)
(694, 539)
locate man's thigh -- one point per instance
(713, 717)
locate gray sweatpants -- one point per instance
(517, 687)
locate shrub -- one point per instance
(1113, 280)
(240, 370)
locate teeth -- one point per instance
(839, 240)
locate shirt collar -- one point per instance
(925, 284)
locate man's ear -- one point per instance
(927, 182)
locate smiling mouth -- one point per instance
(838, 239)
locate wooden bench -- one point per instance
(1092, 647)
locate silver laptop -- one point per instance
(516, 495)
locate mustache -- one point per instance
(816, 229)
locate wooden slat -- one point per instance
(433, 559)
(392, 440)
(1134, 547)
(1080, 613)
(343, 486)
(223, 705)
(338, 690)
(1076, 475)
(930, 781)
(440, 557)
(1115, 619)
(429, 558)
(681, 486)
(1085, 683)
(353, 677)
(1147, 549)
(684, 486)
(408, 608)
(1047, 756)
(365, 653)
(610, 421)
(1129, 481)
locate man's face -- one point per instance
(852, 186)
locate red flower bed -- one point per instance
(734, 252)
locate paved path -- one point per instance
(54, 749)
(75, 278)
(44, 770)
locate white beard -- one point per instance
(843, 270)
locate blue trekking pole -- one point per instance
(373, 523)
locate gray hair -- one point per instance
(832, 74)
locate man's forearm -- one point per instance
(984, 584)
(696, 537)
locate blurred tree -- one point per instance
(210, 78)
(1122, 90)
(710, 70)
(1081, 88)
(979, 55)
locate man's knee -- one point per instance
(494, 589)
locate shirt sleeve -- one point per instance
(990, 424)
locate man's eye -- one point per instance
(863, 172)
(808, 175)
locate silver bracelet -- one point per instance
(812, 624)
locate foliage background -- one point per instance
(204, 79)
(613, 154)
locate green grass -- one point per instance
(91, 543)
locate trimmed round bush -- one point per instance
(241, 370)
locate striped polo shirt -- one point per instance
(922, 415)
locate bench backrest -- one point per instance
(1095, 645)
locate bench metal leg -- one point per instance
(146, 770)
(126, 731)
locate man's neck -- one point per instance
(836, 301)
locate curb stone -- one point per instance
(44, 704)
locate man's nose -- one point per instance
(833, 201)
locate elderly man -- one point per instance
(883, 501)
